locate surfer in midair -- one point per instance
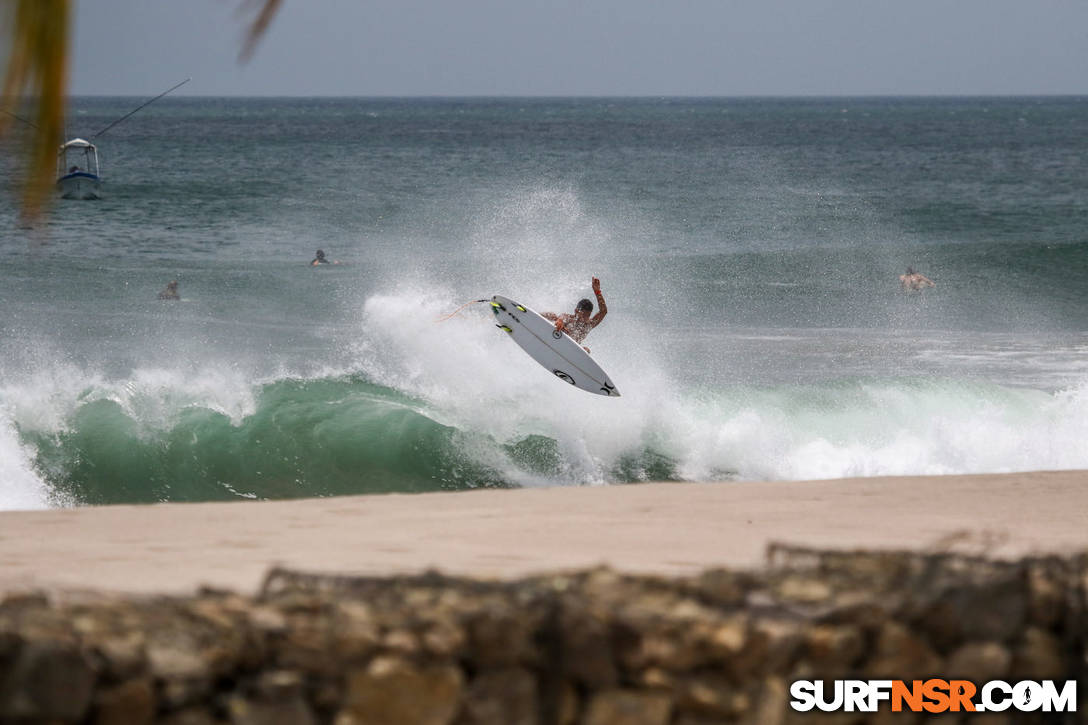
(578, 325)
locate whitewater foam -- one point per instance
(454, 404)
(20, 487)
(475, 380)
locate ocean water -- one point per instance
(749, 251)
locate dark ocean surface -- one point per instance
(749, 251)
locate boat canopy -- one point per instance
(77, 156)
(77, 143)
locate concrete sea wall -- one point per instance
(585, 648)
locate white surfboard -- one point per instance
(553, 349)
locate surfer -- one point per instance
(578, 325)
(319, 259)
(171, 292)
(915, 280)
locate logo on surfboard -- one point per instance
(563, 376)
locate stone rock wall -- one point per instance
(587, 648)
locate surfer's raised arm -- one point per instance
(602, 309)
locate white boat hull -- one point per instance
(79, 185)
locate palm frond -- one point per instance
(37, 70)
(266, 10)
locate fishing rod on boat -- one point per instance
(122, 118)
(20, 118)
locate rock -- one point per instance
(177, 694)
(130, 703)
(500, 636)
(391, 690)
(856, 608)
(187, 716)
(501, 697)
(444, 639)
(10, 643)
(285, 710)
(123, 656)
(997, 611)
(566, 706)
(883, 716)
(772, 705)
(399, 641)
(586, 650)
(596, 648)
(662, 649)
(710, 695)
(278, 684)
(1046, 596)
(728, 637)
(357, 634)
(733, 644)
(176, 659)
(803, 589)
(214, 612)
(48, 680)
(901, 654)
(655, 678)
(832, 649)
(625, 707)
(991, 718)
(1038, 656)
(308, 640)
(976, 611)
(176, 662)
(267, 620)
(778, 643)
(725, 588)
(14, 601)
(979, 662)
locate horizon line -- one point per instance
(424, 96)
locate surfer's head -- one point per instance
(910, 270)
(320, 254)
(584, 307)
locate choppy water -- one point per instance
(748, 248)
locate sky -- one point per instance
(586, 48)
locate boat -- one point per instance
(77, 160)
(77, 170)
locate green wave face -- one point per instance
(312, 438)
(323, 437)
(348, 435)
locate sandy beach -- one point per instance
(663, 528)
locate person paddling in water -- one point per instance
(914, 280)
(319, 259)
(171, 292)
(579, 324)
